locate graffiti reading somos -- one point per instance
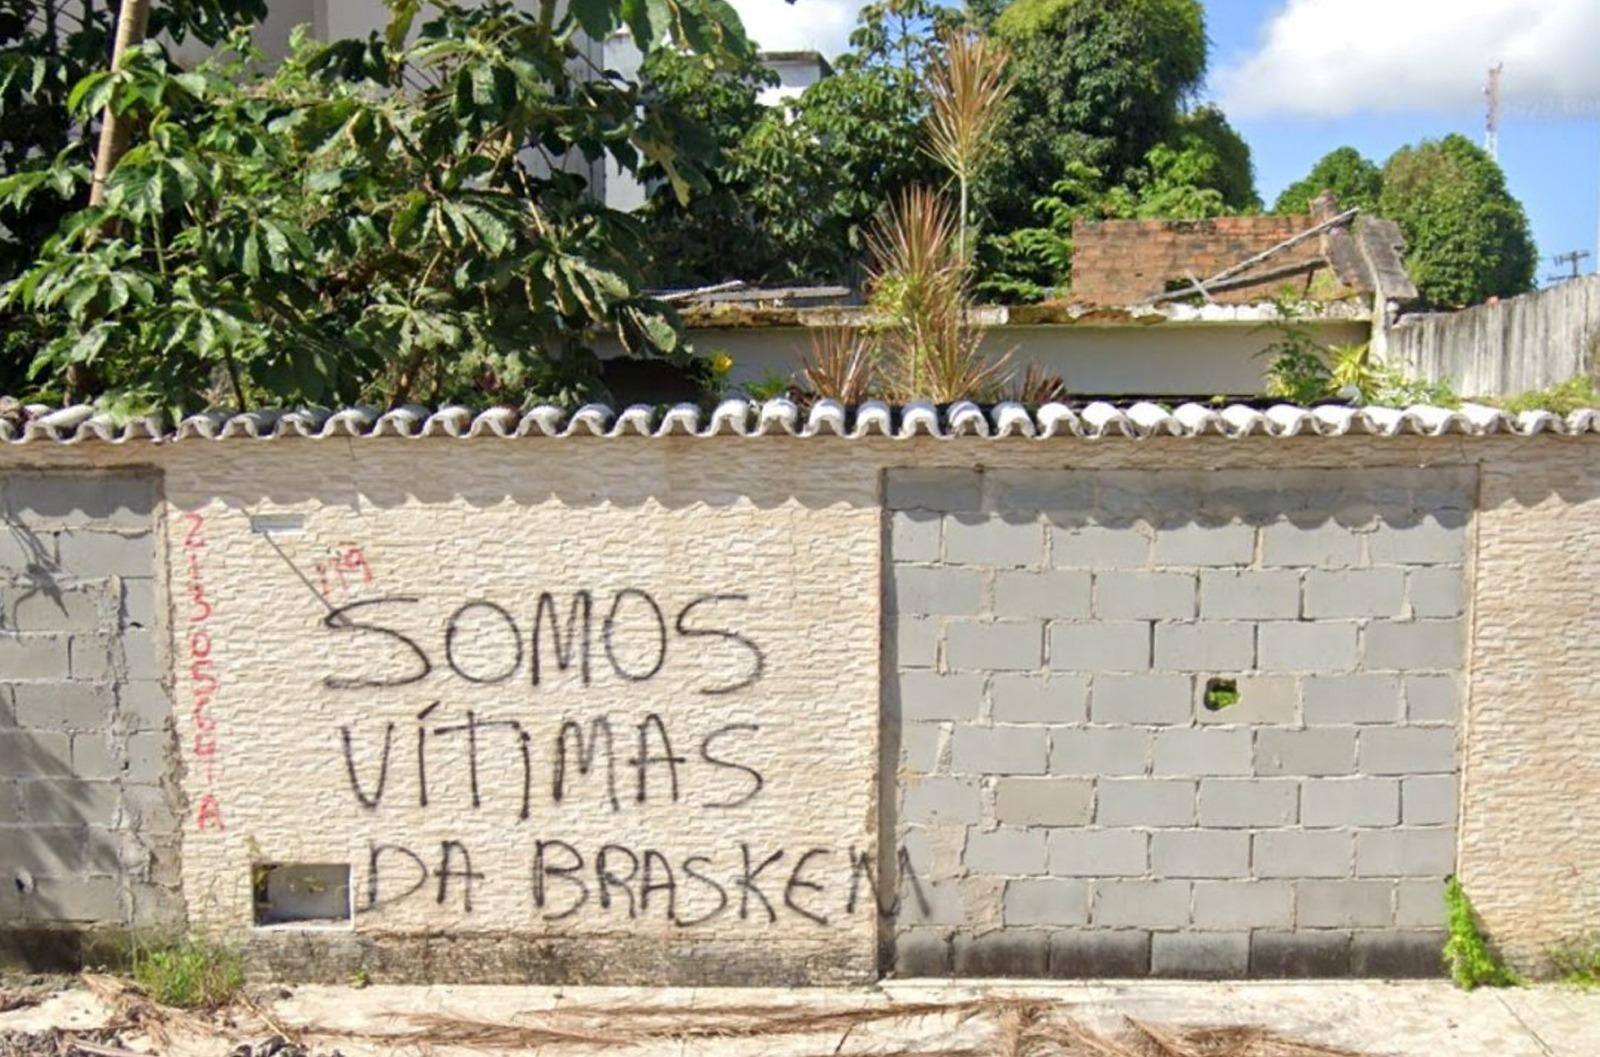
(607, 757)
(204, 680)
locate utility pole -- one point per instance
(133, 20)
(1491, 125)
(1574, 259)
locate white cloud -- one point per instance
(1331, 58)
(805, 25)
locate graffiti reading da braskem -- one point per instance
(540, 745)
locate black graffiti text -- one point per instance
(483, 642)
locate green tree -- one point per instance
(373, 221)
(46, 47)
(1098, 82)
(719, 227)
(801, 183)
(1467, 238)
(1210, 153)
(1203, 171)
(1354, 181)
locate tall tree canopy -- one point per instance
(47, 47)
(1098, 82)
(1354, 181)
(1096, 125)
(1217, 158)
(375, 221)
(796, 185)
(1467, 238)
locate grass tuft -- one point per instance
(1473, 962)
(186, 972)
(1575, 394)
(1578, 963)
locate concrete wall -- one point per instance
(548, 696)
(1153, 361)
(298, 585)
(88, 794)
(1075, 803)
(1505, 348)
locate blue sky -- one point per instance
(1549, 135)
(1301, 77)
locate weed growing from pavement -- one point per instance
(1473, 963)
(186, 971)
(1578, 963)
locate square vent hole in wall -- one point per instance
(310, 895)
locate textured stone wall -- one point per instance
(568, 712)
(88, 827)
(1530, 833)
(1071, 800)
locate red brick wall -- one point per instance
(1123, 262)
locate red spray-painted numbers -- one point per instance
(203, 679)
(340, 571)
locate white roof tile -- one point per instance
(824, 419)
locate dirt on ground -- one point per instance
(971, 1027)
(106, 1017)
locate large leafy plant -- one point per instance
(797, 186)
(1355, 182)
(375, 220)
(46, 48)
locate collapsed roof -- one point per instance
(1325, 256)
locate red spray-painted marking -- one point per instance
(204, 681)
(338, 572)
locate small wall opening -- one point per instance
(305, 894)
(1221, 693)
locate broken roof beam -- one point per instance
(698, 292)
(1250, 262)
(1287, 271)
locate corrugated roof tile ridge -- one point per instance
(823, 419)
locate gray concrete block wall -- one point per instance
(88, 804)
(1065, 791)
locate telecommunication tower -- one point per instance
(1491, 125)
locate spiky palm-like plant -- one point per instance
(1037, 387)
(968, 91)
(839, 365)
(928, 345)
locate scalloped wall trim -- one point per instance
(826, 418)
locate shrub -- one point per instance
(1578, 963)
(1563, 399)
(1304, 371)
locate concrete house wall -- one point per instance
(1075, 791)
(874, 706)
(1180, 359)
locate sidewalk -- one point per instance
(925, 1018)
